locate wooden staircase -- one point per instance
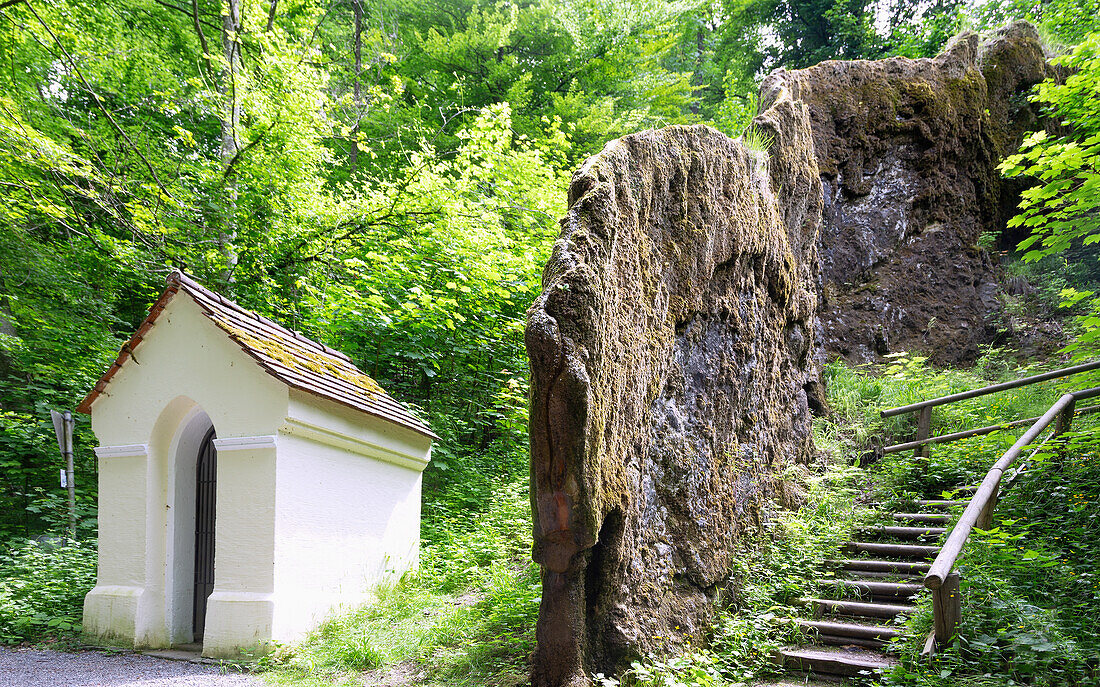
(851, 619)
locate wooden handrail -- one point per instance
(966, 434)
(941, 578)
(1004, 386)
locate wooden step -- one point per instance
(902, 532)
(837, 640)
(859, 609)
(839, 629)
(931, 518)
(892, 590)
(892, 550)
(872, 565)
(874, 576)
(940, 504)
(849, 662)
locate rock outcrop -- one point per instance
(673, 348)
(908, 151)
(670, 355)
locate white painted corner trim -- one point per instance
(244, 443)
(324, 435)
(126, 451)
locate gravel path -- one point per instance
(39, 668)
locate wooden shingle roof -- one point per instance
(286, 355)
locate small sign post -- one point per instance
(63, 426)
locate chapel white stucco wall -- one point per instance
(316, 503)
(349, 509)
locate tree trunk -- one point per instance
(7, 328)
(231, 119)
(357, 9)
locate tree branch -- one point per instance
(98, 102)
(184, 10)
(250, 146)
(271, 14)
(198, 28)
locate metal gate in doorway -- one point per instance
(206, 483)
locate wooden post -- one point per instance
(985, 518)
(1065, 418)
(1061, 426)
(947, 609)
(924, 430)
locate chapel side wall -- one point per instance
(111, 607)
(347, 518)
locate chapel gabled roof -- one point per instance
(286, 355)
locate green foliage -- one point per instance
(42, 588)
(858, 394)
(1060, 22)
(1060, 210)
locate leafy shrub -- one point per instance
(42, 588)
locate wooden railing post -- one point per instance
(1065, 418)
(947, 609)
(924, 430)
(1061, 426)
(985, 518)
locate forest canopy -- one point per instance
(384, 176)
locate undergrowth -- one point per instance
(1031, 583)
(42, 588)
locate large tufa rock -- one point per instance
(670, 356)
(908, 151)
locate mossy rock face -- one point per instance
(673, 347)
(908, 151)
(670, 357)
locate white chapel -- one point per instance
(251, 481)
